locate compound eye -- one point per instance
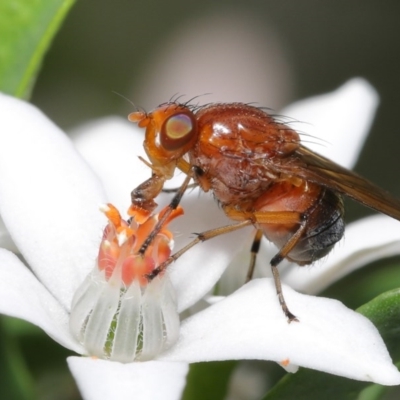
(177, 130)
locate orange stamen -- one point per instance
(113, 215)
(121, 243)
(137, 267)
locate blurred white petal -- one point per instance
(111, 146)
(367, 240)
(197, 271)
(226, 55)
(248, 381)
(338, 122)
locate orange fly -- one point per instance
(261, 175)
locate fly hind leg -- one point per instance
(277, 259)
(255, 247)
(279, 218)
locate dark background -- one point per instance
(109, 46)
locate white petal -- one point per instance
(250, 325)
(247, 381)
(49, 198)
(338, 122)
(99, 379)
(111, 146)
(5, 239)
(365, 241)
(23, 296)
(197, 271)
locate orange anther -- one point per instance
(112, 214)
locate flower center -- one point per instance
(118, 313)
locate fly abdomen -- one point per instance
(322, 211)
(325, 227)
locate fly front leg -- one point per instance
(191, 172)
(201, 237)
(175, 189)
(143, 196)
(172, 206)
(278, 218)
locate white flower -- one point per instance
(49, 204)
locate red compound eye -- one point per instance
(177, 130)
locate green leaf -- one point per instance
(384, 312)
(309, 384)
(33, 365)
(26, 30)
(373, 392)
(16, 381)
(208, 381)
(366, 283)
(19, 328)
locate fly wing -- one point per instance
(313, 167)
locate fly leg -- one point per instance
(277, 259)
(274, 217)
(172, 206)
(175, 189)
(143, 196)
(201, 237)
(255, 247)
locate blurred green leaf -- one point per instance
(16, 381)
(373, 392)
(208, 381)
(19, 328)
(309, 384)
(26, 30)
(384, 312)
(366, 283)
(33, 364)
